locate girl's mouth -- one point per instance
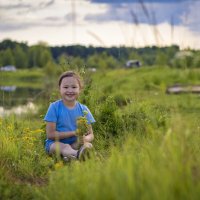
(70, 95)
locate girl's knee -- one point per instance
(58, 147)
(65, 148)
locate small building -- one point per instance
(8, 68)
(133, 64)
(92, 69)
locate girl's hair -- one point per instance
(70, 74)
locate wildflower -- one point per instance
(10, 127)
(58, 165)
(11, 138)
(38, 131)
(82, 126)
(26, 130)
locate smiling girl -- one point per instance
(61, 120)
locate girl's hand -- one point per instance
(83, 139)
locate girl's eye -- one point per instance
(66, 87)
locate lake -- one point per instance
(18, 100)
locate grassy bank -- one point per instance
(23, 78)
(146, 143)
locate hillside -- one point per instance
(146, 142)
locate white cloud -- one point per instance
(78, 22)
(192, 18)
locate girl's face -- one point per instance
(69, 90)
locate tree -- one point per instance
(161, 59)
(7, 57)
(102, 61)
(39, 56)
(196, 60)
(21, 58)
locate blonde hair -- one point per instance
(70, 74)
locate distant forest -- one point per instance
(23, 56)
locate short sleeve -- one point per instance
(51, 115)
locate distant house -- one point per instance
(133, 64)
(8, 68)
(92, 69)
(182, 54)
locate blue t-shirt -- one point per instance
(65, 118)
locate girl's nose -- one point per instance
(70, 89)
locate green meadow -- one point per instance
(147, 142)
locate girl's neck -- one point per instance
(70, 104)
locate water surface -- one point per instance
(18, 100)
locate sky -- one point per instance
(106, 23)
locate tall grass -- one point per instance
(146, 143)
(155, 167)
(22, 157)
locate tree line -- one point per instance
(40, 55)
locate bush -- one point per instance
(108, 119)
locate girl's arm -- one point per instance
(89, 136)
(53, 134)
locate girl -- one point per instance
(61, 120)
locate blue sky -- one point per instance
(102, 22)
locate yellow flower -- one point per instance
(26, 130)
(82, 126)
(38, 131)
(10, 127)
(58, 165)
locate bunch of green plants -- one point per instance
(148, 167)
(22, 153)
(82, 127)
(23, 78)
